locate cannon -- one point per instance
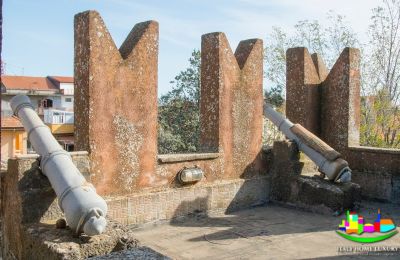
(328, 160)
(83, 208)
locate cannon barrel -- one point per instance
(325, 157)
(83, 208)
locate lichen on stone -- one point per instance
(128, 140)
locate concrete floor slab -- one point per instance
(268, 232)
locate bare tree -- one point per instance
(381, 114)
(328, 41)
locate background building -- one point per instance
(52, 98)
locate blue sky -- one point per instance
(38, 35)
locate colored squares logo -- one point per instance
(353, 227)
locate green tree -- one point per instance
(178, 115)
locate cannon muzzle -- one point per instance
(84, 209)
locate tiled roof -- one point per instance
(27, 83)
(62, 79)
(10, 122)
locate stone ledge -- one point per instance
(185, 157)
(314, 191)
(369, 149)
(35, 155)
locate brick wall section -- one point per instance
(227, 195)
(116, 103)
(375, 169)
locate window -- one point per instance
(68, 99)
(69, 147)
(47, 103)
(17, 142)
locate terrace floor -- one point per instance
(269, 232)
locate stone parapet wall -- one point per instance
(335, 98)
(30, 209)
(116, 108)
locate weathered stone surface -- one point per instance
(339, 117)
(44, 241)
(395, 189)
(231, 104)
(320, 66)
(374, 185)
(310, 193)
(116, 103)
(340, 102)
(30, 211)
(286, 167)
(309, 167)
(323, 196)
(135, 253)
(119, 129)
(156, 206)
(303, 88)
(373, 159)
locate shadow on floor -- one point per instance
(276, 220)
(256, 222)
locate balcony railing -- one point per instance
(67, 91)
(52, 116)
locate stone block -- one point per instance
(285, 151)
(323, 196)
(286, 166)
(310, 193)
